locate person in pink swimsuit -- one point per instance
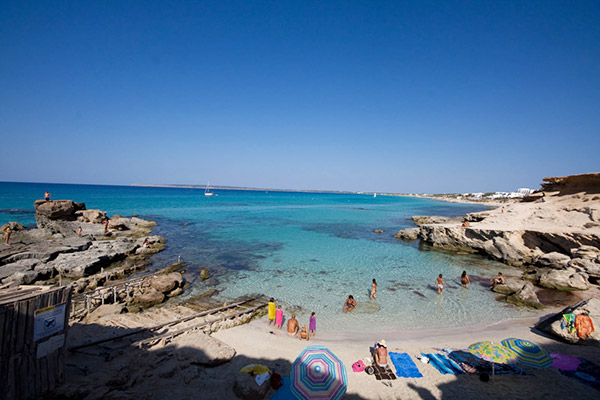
(279, 317)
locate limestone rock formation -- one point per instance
(567, 279)
(526, 296)
(148, 297)
(246, 388)
(408, 234)
(204, 350)
(57, 248)
(167, 282)
(553, 325)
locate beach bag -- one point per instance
(358, 366)
(276, 381)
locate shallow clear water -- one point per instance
(304, 249)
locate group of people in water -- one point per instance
(275, 316)
(464, 281)
(350, 302)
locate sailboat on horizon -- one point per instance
(207, 191)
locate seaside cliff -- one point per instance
(553, 234)
(55, 249)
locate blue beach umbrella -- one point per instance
(528, 353)
(317, 373)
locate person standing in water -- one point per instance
(373, 290)
(439, 283)
(464, 280)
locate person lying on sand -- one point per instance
(304, 333)
(381, 353)
(350, 304)
(292, 326)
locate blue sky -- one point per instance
(394, 96)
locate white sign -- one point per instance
(48, 321)
(50, 346)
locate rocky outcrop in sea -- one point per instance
(554, 234)
(70, 241)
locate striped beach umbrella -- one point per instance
(317, 373)
(528, 353)
(493, 352)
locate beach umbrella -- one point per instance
(493, 352)
(528, 353)
(317, 373)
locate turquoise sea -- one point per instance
(304, 249)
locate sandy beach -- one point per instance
(254, 343)
(179, 367)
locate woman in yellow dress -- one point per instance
(272, 310)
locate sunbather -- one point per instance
(381, 353)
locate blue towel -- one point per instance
(443, 364)
(285, 391)
(405, 366)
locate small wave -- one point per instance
(15, 211)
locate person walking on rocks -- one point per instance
(7, 233)
(105, 223)
(47, 196)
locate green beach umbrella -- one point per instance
(528, 353)
(493, 352)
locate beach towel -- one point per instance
(443, 364)
(473, 365)
(587, 373)
(569, 322)
(383, 373)
(285, 391)
(584, 326)
(564, 362)
(405, 366)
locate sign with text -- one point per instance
(48, 321)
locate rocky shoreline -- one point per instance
(56, 250)
(552, 235)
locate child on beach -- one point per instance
(304, 333)
(439, 282)
(271, 314)
(312, 325)
(373, 290)
(279, 317)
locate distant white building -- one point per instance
(525, 191)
